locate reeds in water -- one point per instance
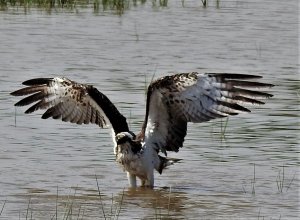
(118, 6)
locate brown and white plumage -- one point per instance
(71, 102)
(172, 102)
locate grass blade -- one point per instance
(2, 207)
(102, 207)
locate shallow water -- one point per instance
(252, 173)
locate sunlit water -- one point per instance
(50, 166)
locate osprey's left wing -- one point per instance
(71, 102)
(172, 101)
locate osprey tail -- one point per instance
(164, 162)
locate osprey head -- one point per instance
(124, 137)
(127, 139)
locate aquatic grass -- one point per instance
(289, 185)
(83, 212)
(252, 183)
(223, 127)
(2, 207)
(100, 198)
(96, 5)
(281, 181)
(68, 210)
(56, 202)
(218, 128)
(69, 206)
(253, 180)
(163, 3)
(114, 211)
(56, 205)
(118, 210)
(42, 4)
(204, 3)
(116, 6)
(29, 209)
(137, 37)
(15, 116)
(258, 217)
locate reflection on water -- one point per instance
(88, 204)
(49, 167)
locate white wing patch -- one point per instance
(157, 119)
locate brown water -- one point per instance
(50, 165)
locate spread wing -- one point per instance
(173, 101)
(71, 102)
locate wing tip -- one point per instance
(235, 75)
(30, 110)
(19, 103)
(18, 92)
(45, 116)
(14, 93)
(37, 81)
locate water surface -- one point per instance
(252, 173)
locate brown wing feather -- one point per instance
(70, 101)
(173, 101)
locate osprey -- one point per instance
(172, 102)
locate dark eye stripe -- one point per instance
(123, 140)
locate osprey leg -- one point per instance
(131, 179)
(150, 179)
